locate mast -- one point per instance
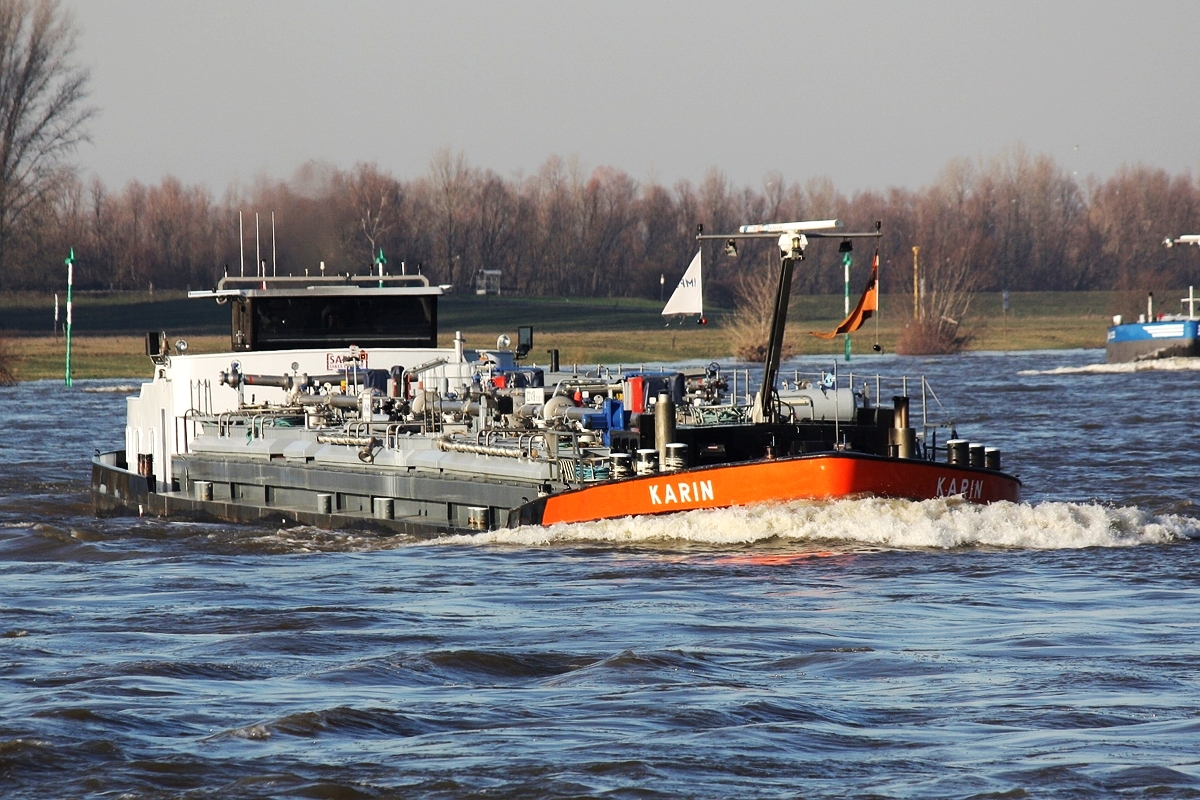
(783, 294)
(792, 240)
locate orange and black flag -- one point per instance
(868, 304)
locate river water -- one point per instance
(861, 648)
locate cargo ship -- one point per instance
(335, 407)
(1157, 336)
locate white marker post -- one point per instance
(70, 262)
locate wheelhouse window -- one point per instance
(316, 321)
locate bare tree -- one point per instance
(495, 218)
(953, 246)
(42, 115)
(451, 179)
(607, 208)
(376, 199)
(667, 243)
(750, 325)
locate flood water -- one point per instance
(862, 648)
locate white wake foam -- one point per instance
(1152, 365)
(124, 388)
(943, 523)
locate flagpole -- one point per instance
(878, 291)
(70, 262)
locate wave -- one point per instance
(343, 720)
(124, 388)
(821, 527)
(1152, 365)
(874, 522)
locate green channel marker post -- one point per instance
(846, 259)
(70, 262)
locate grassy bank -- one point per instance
(109, 329)
(113, 313)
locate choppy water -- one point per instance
(863, 648)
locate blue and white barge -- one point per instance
(1151, 337)
(1161, 336)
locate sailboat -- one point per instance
(688, 297)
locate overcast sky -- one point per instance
(869, 94)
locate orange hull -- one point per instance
(820, 476)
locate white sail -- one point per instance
(689, 295)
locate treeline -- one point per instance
(1018, 221)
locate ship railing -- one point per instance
(720, 414)
(742, 387)
(259, 421)
(190, 421)
(228, 422)
(508, 442)
(526, 439)
(358, 429)
(578, 461)
(591, 383)
(225, 422)
(931, 404)
(553, 446)
(734, 397)
(200, 396)
(880, 381)
(390, 432)
(265, 281)
(570, 443)
(503, 446)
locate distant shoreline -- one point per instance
(583, 330)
